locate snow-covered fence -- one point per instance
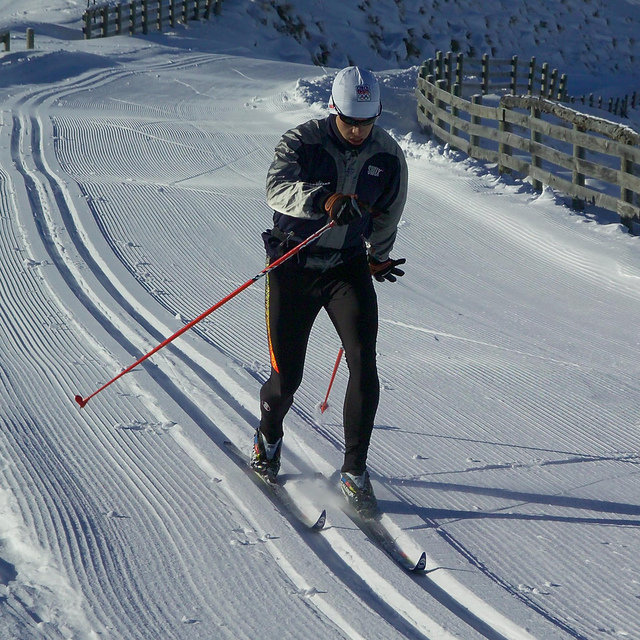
(493, 75)
(139, 16)
(590, 159)
(618, 106)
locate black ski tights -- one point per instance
(294, 297)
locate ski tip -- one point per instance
(321, 521)
(421, 565)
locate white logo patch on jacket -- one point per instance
(374, 171)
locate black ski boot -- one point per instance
(358, 491)
(265, 457)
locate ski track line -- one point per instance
(62, 526)
(551, 250)
(35, 130)
(51, 176)
(477, 378)
(16, 134)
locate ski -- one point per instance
(372, 528)
(274, 491)
(378, 533)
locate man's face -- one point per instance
(354, 132)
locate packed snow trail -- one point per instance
(135, 194)
(111, 597)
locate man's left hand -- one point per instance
(387, 270)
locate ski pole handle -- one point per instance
(274, 265)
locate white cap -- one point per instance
(355, 93)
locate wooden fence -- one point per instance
(618, 106)
(590, 159)
(493, 75)
(127, 18)
(5, 39)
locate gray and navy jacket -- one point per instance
(313, 161)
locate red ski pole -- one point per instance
(83, 401)
(325, 404)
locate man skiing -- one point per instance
(347, 169)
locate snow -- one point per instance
(507, 441)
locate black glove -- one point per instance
(387, 270)
(342, 209)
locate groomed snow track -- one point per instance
(137, 551)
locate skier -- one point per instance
(347, 169)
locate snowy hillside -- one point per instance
(593, 39)
(507, 442)
(599, 35)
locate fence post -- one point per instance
(626, 166)
(424, 73)
(459, 70)
(544, 79)
(160, 16)
(626, 195)
(196, 9)
(449, 69)
(503, 148)
(172, 13)
(485, 74)
(552, 86)
(457, 90)
(119, 18)
(430, 98)
(440, 104)
(132, 16)
(535, 160)
(577, 178)
(438, 69)
(30, 38)
(532, 75)
(145, 17)
(87, 25)
(474, 140)
(562, 90)
(514, 75)
(105, 20)
(431, 67)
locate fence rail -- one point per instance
(127, 18)
(590, 159)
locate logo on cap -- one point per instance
(363, 93)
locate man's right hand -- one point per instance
(342, 208)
